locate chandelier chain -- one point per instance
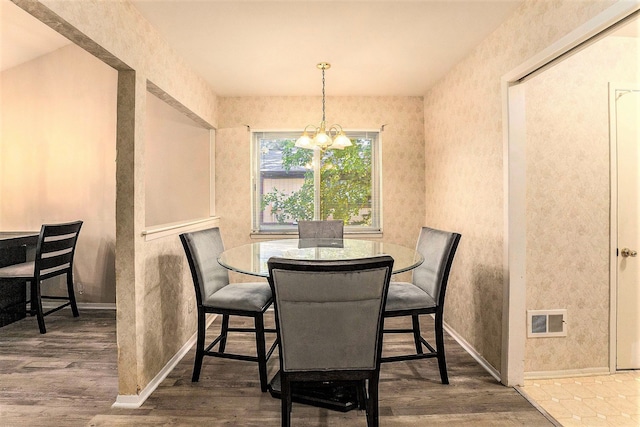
(323, 102)
(323, 138)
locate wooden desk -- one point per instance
(13, 296)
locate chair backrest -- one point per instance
(438, 249)
(330, 229)
(55, 249)
(202, 249)
(329, 314)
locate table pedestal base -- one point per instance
(337, 397)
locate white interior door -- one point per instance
(627, 121)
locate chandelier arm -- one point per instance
(315, 128)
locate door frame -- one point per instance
(514, 178)
(613, 221)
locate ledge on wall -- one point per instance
(157, 232)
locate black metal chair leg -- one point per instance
(37, 300)
(224, 332)
(197, 364)
(362, 395)
(72, 296)
(442, 362)
(261, 351)
(372, 404)
(416, 333)
(286, 402)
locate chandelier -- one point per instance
(322, 138)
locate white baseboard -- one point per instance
(133, 401)
(96, 306)
(585, 372)
(82, 305)
(472, 351)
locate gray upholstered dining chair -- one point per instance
(425, 295)
(329, 229)
(54, 257)
(214, 294)
(329, 318)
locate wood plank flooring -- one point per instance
(68, 377)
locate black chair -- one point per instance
(330, 229)
(214, 294)
(426, 295)
(329, 318)
(54, 257)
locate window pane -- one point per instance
(286, 182)
(348, 182)
(345, 184)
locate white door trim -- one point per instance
(514, 145)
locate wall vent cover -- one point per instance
(546, 323)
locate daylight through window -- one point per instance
(292, 184)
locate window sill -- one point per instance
(276, 235)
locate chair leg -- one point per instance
(224, 331)
(285, 398)
(197, 364)
(37, 301)
(372, 403)
(416, 333)
(261, 351)
(72, 295)
(362, 395)
(442, 362)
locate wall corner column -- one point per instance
(130, 222)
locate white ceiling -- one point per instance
(265, 47)
(23, 38)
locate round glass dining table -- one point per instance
(252, 258)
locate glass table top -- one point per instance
(252, 258)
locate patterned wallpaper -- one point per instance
(402, 154)
(454, 138)
(568, 200)
(465, 166)
(115, 32)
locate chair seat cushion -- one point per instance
(407, 296)
(241, 296)
(23, 270)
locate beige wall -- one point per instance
(402, 154)
(116, 33)
(177, 163)
(58, 159)
(459, 145)
(567, 121)
(465, 165)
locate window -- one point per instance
(292, 184)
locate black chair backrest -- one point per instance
(438, 248)
(202, 249)
(329, 314)
(330, 229)
(55, 249)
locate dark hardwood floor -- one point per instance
(68, 377)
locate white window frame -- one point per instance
(376, 191)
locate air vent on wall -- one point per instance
(546, 323)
